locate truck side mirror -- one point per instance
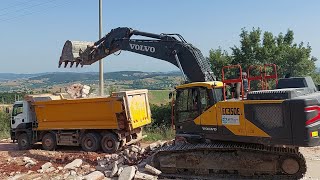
(170, 95)
(7, 110)
(318, 87)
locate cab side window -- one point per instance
(204, 99)
(187, 104)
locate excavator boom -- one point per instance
(168, 47)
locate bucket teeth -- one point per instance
(71, 64)
(65, 64)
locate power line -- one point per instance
(34, 12)
(27, 7)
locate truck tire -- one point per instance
(24, 142)
(91, 142)
(110, 143)
(49, 142)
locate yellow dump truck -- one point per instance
(92, 123)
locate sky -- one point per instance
(33, 32)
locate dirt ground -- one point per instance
(11, 159)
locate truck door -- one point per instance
(17, 115)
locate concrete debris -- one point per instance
(96, 175)
(143, 176)
(119, 171)
(102, 167)
(28, 162)
(74, 164)
(46, 166)
(50, 169)
(107, 173)
(127, 173)
(114, 169)
(152, 170)
(78, 91)
(73, 173)
(132, 162)
(66, 175)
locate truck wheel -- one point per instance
(49, 142)
(110, 143)
(24, 142)
(91, 142)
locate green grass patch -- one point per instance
(155, 134)
(159, 97)
(4, 135)
(4, 125)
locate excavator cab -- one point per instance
(192, 101)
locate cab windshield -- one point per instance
(17, 109)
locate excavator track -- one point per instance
(223, 160)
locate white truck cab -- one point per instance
(20, 114)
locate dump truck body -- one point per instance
(81, 121)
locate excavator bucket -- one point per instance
(71, 52)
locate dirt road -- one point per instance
(11, 159)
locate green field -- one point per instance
(159, 97)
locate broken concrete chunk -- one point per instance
(96, 175)
(154, 145)
(127, 173)
(73, 173)
(126, 152)
(50, 169)
(142, 150)
(107, 173)
(46, 166)
(114, 169)
(74, 164)
(101, 168)
(152, 170)
(135, 149)
(120, 169)
(78, 91)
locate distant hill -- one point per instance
(13, 76)
(66, 77)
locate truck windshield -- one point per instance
(17, 109)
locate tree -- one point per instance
(218, 58)
(161, 115)
(257, 47)
(290, 57)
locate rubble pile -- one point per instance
(78, 91)
(132, 162)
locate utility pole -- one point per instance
(101, 88)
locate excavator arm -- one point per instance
(168, 47)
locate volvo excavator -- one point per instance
(256, 135)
